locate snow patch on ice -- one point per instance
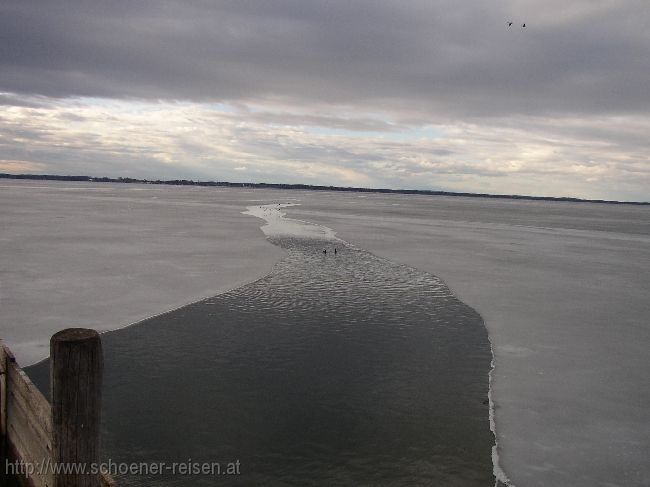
(277, 225)
(500, 477)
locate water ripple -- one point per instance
(335, 369)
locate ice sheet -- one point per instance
(564, 290)
(277, 225)
(107, 255)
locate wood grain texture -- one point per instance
(76, 384)
(26, 417)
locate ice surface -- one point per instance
(564, 290)
(277, 225)
(107, 255)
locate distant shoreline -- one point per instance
(185, 182)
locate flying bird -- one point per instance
(524, 25)
(509, 24)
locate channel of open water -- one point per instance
(335, 369)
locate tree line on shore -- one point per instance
(188, 182)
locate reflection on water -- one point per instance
(341, 369)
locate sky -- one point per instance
(419, 94)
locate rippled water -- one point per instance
(341, 369)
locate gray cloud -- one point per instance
(359, 124)
(435, 58)
(598, 157)
(431, 94)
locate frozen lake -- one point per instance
(107, 255)
(339, 368)
(563, 289)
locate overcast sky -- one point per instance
(427, 94)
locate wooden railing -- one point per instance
(45, 438)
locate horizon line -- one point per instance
(311, 187)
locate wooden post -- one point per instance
(76, 383)
(5, 356)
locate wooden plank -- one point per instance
(38, 478)
(24, 392)
(107, 481)
(20, 416)
(28, 425)
(5, 356)
(4, 452)
(19, 423)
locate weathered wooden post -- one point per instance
(76, 383)
(4, 358)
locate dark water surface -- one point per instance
(334, 370)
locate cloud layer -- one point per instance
(373, 92)
(539, 156)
